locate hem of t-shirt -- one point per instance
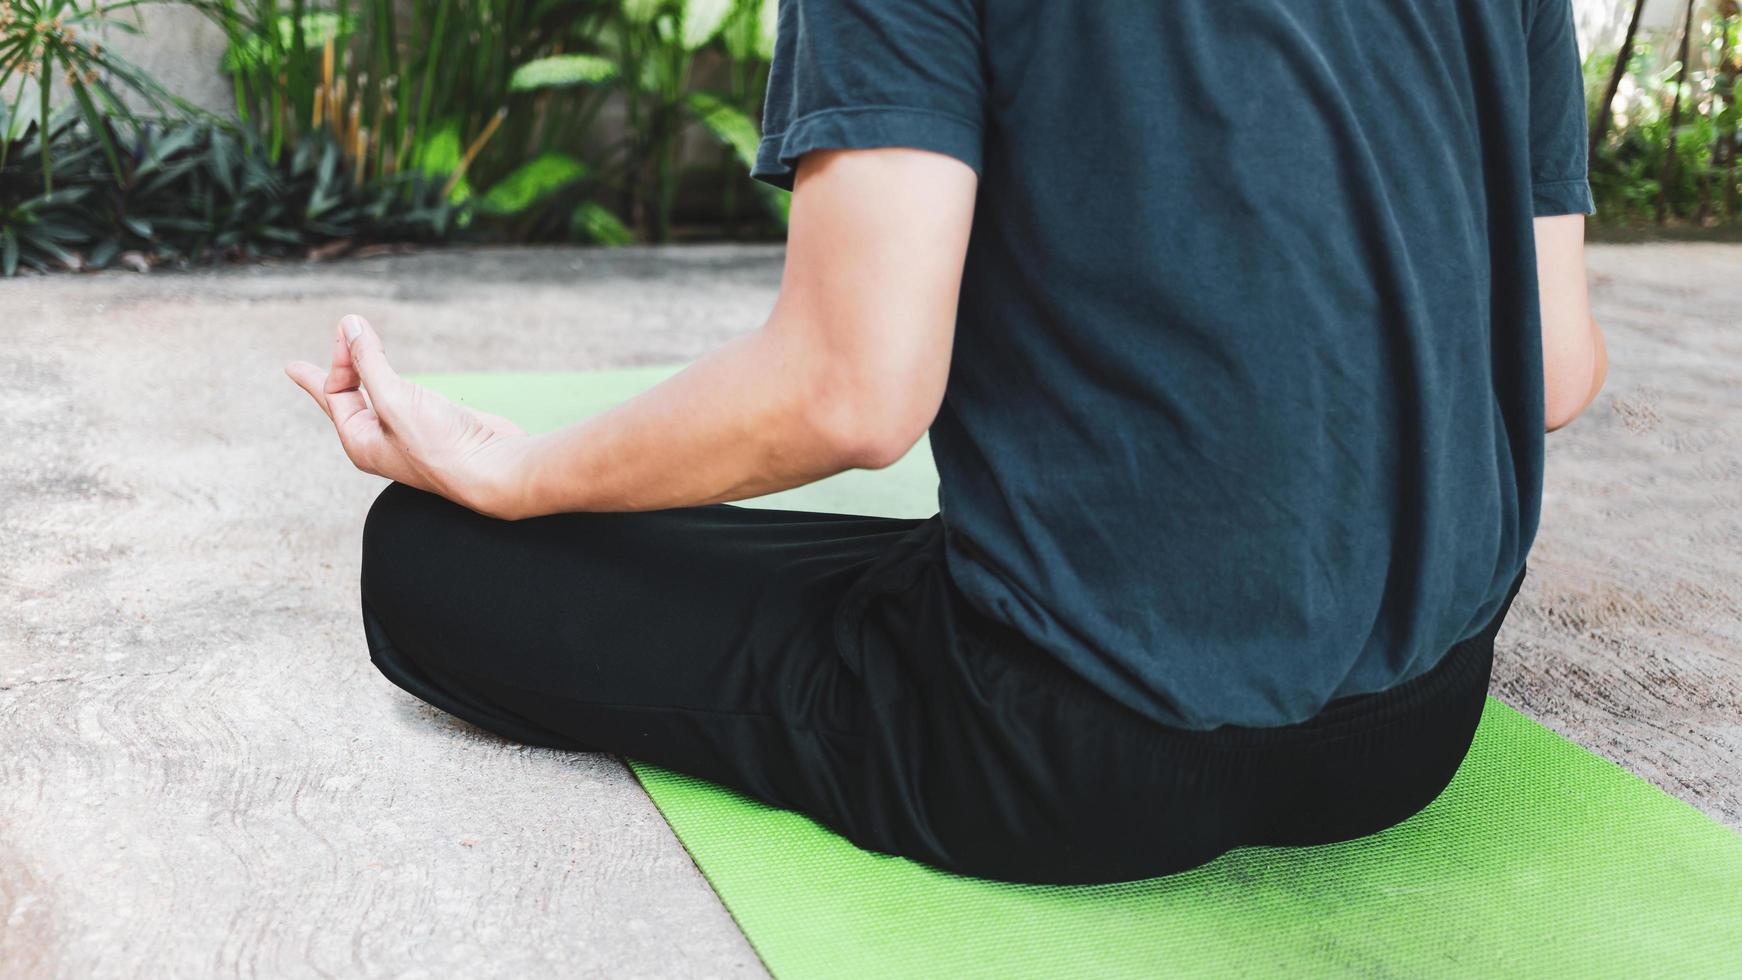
(1554, 197)
(864, 128)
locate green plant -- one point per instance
(208, 194)
(42, 41)
(191, 191)
(1666, 147)
(499, 98)
(645, 53)
(42, 228)
(383, 76)
(380, 120)
(656, 42)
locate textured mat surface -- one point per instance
(1540, 860)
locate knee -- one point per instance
(398, 521)
(390, 506)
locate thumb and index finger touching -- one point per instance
(357, 392)
(358, 349)
(359, 365)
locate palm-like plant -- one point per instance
(647, 50)
(420, 85)
(45, 41)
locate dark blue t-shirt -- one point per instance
(1245, 410)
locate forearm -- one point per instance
(848, 371)
(1574, 360)
(755, 416)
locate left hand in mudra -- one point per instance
(403, 431)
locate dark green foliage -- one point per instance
(197, 192)
(1627, 180)
(43, 229)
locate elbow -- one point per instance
(875, 450)
(869, 439)
(1566, 399)
(1569, 392)
(864, 428)
(1560, 416)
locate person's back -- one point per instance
(1224, 318)
(1246, 408)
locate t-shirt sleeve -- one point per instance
(860, 74)
(1558, 139)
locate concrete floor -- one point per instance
(200, 773)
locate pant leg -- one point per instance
(1377, 759)
(986, 756)
(700, 639)
(827, 663)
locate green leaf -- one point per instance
(641, 11)
(779, 202)
(561, 71)
(439, 153)
(319, 203)
(8, 252)
(596, 223)
(765, 46)
(65, 195)
(104, 253)
(100, 129)
(61, 255)
(254, 49)
(729, 125)
(741, 29)
(702, 20)
(220, 162)
(160, 150)
(59, 231)
(329, 165)
(532, 182)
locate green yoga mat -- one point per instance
(1540, 860)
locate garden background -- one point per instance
(192, 131)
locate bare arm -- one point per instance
(847, 372)
(1574, 358)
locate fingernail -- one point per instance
(353, 325)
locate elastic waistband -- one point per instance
(1462, 672)
(1460, 676)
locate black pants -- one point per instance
(827, 663)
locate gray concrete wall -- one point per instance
(176, 46)
(184, 52)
